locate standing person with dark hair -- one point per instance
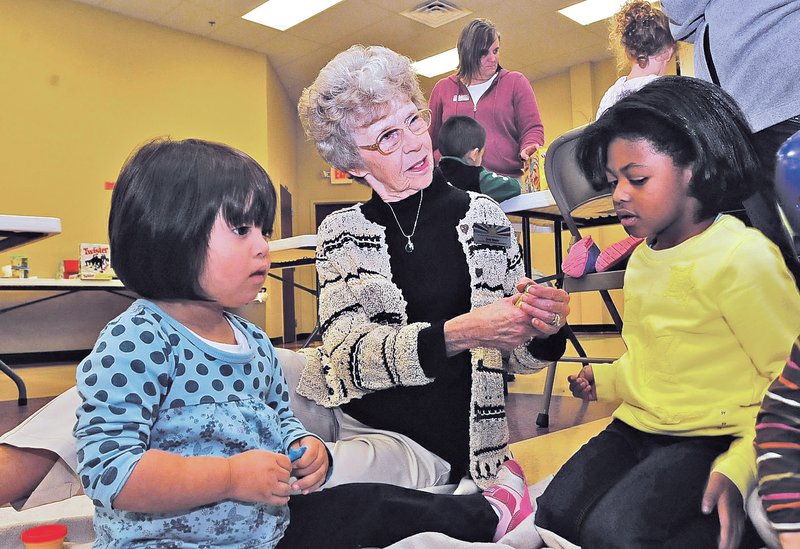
(710, 311)
(462, 143)
(502, 101)
(750, 49)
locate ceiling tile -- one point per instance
(147, 10)
(536, 40)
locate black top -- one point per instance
(463, 176)
(435, 283)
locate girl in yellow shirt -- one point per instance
(710, 314)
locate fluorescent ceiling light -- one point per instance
(437, 64)
(589, 11)
(282, 14)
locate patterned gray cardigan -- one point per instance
(368, 345)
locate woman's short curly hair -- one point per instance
(353, 90)
(639, 30)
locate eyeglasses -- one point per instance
(390, 140)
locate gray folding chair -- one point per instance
(580, 206)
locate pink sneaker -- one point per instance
(616, 253)
(509, 498)
(581, 258)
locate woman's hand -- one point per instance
(312, 467)
(723, 494)
(509, 322)
(547, 307)
(526, 153)
(582, 385)
(260, 476)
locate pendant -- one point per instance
(409, 246)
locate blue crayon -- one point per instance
(295, 454)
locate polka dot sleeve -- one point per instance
(278, 400)
(121, 382)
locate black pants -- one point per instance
(762, 206)
(377, 515)
(630, 489)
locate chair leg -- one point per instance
(575, 343)
(23, 393)
(543, 419)
(612, 310)
(311, 336)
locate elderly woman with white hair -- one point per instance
(422, 300)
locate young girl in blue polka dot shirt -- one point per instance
(185, 421)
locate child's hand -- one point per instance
(582, 385)
(790, 540)
(312, 467)
(260, 476)
(723, 494)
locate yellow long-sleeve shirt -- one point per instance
(708, 324)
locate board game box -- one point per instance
(95, 262)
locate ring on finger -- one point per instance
(528, 285)
(524, 291)
(556, 320)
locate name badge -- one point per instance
(491, 235)
(459, 98)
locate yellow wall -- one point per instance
(82, 87)
(281, 163)
(314, 188)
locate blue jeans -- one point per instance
(626, 488)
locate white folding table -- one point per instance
(290, 252)
(16, 230)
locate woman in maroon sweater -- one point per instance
(502, 101)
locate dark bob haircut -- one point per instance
(459, 135)
(165, 202)
(696, 124)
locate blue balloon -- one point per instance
(787, 180)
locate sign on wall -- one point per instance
(338, 177)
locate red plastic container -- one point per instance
(49, 536)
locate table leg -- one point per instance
(23, 393)
(559, 252)
(526, 244)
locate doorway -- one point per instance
(287, 287)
